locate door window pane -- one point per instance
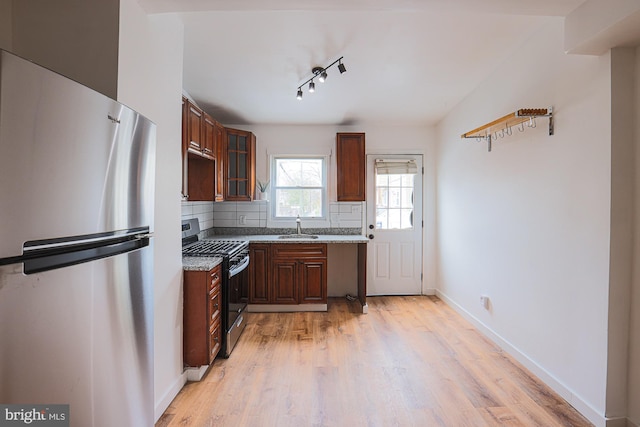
(394, 201)
(382, 220)
(395, 197)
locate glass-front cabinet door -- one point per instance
(241, 165)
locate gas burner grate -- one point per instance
(213, 247)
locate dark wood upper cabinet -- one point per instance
(200, 179)
(351, 167)
(218, 163)
(240, 165)
(185, 147)
(198, 153)
(209, 136)
(194, 126)
(221, 154)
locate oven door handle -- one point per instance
(239, 267)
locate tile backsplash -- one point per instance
(346, 214)
(240, 214)
(254, 214)
(201, 210)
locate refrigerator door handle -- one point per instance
(143, 236)
(50, 254)
(93, 240)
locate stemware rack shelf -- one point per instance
(504, 125)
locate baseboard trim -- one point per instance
(168, 397)
(631, 423)
(285, 308)
(196, 373)
(619, 422)
(574, 400)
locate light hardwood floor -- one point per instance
(412, 361)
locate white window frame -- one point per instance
(321, 221)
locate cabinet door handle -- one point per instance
(215, 276)
(371, 236)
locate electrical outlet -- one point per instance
(484, 301)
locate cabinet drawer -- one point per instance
(215, 338)
(214, 305)
(298, 251)
(215, 279)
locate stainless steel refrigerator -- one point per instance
(76, 252)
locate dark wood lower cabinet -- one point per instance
(313, 281)
(259, 273)
(285, 282)
(201, 316)
(282, 273)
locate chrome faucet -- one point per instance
(298, 226)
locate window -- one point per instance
(299, 187)
(394, 194)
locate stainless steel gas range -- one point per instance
(235, 278)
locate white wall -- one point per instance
(150, 81)
(622, 206)
(633, 404)
(6, 25)
(597, 26)
(77, 38)
(528, 223)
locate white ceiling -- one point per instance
(409, 62)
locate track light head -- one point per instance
(319, 72)
(299, 96)
(312, 87)
(342, 68)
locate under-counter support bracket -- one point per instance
(504, 126)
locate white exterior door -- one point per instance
(394, 224)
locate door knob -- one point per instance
(371, 236)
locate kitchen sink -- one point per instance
(298, 236)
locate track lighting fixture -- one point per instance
(321, 74)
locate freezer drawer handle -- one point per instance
(143, 236)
